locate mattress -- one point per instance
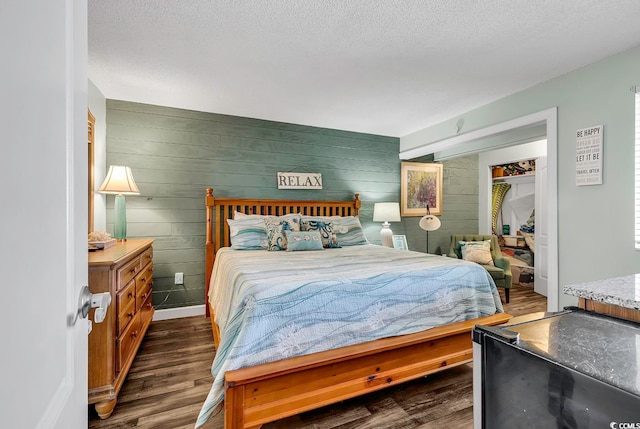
(276, 305)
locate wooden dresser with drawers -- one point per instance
(125, 270)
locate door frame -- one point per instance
(549, 118)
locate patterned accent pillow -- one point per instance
(349, 230)
(303, 240)
(247, 234)
(276, 229)
(477, 251)
(329, 238)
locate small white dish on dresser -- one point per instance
(103, 244)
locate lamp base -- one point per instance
(120, 219)
(386, 235)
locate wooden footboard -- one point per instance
(265, 393)
(272, 391)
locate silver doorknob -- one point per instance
(84, 304)
(88, 300)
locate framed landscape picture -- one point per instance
(420, 186)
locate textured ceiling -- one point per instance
(387, 67)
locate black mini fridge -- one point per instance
(571, 369)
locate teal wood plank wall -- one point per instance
(175, 154)
(459, 206)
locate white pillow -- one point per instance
(477, 251)
(240, 215)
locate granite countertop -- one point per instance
(621, 291)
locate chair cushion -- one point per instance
(496, 273)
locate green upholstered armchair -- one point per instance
(500, 272)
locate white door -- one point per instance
(43, 123)
(541, 250)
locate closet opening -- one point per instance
(513, 219)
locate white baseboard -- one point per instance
(177, 313)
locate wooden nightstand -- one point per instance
(126, 272)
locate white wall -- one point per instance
(498, 157)
(98, 106)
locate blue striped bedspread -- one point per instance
(275, 305)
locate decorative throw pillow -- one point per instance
(348, 229)
(329, 238)
(276, 229)
(477, 251)
(303, 240)
(247, 234)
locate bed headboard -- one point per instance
(221, 209)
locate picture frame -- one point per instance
(400, 242)
(420, 185)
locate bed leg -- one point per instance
(234, 412)
(234, 407)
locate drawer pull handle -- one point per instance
(134, 334)
(130, 295)
(149, 305)
(143, 280)
(129, 315)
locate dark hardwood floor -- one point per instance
(170, 379)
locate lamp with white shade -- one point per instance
(428, 223)
(119, 182)
(386, 212)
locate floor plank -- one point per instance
(170, 379)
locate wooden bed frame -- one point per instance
(272, 391)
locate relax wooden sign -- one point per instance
(293, 180)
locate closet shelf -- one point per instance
(522, 178)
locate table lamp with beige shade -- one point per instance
(119, 182)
